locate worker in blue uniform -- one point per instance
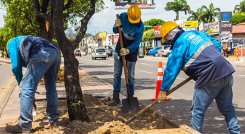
(199, 56)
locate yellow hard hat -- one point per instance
(166, 28)
(134, 14)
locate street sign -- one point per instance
(225, 16)
(225, 26)
(190, 24)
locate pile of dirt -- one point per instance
(103, 120)
(114, 127)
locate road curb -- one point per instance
(6, 93)
(5, 61)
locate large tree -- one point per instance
(209, 13)
(19, 19)
(52, 17)
(240, 8)
(195, 15)
(178, 6)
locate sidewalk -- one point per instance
(89, 84)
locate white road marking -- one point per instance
(242, 75)
(180, 78)
(144, 64)
(145, 72)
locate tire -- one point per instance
(105, 58)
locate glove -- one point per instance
(124, 51)
(161, 96)
(117, 23)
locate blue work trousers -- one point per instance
(118, 73)
(44, 63)
(221, 91)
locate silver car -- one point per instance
(99, 53)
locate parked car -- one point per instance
(77, 52)
(147, 49)
(154, 51)
(99, 53)
(165, 52)
(109, 52)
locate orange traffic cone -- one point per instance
(159, 79)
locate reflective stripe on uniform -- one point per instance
(196, 54)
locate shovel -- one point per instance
(155, 102)
(130, 104)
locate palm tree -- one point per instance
(240, 8)
(195, 15)
(207, 14)
(178, 6)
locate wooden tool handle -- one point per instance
(156, 101)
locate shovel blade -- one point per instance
(130, 104)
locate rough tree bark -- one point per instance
(76, 107)
(42, 16)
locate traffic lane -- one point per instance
(146, 75)
(5, 74)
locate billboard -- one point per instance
(143, 4)
(190, 24)
(226, 36)
(212, 27)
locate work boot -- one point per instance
(115, 100)
(17, 129)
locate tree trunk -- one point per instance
(75, 103)
(177, 15)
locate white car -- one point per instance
(165, 52)
(99, 53)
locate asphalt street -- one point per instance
(179, 108)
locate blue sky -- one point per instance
(104, 20)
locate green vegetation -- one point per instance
(178, 6)
(240, 8)
(148, 35)
(238, 18)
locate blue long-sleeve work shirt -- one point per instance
(199, 56)
(132, 35)
(17, 61)
(20, 50)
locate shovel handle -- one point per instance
(155, 102)
(123, 57)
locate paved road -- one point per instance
(179, 108)
(5, 74)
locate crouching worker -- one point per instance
(41, 58)
(199, 56)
